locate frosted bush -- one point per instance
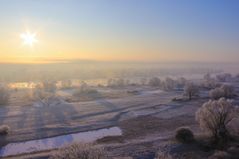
(213, 118)
(80, 151)
(4, 129)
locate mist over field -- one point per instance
(93, 70)
(119, 79)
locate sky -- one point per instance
(120, 30)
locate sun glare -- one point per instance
(29, 38)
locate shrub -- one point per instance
(213, 117)
(184, 135)
(80, 151)
(4, 130)
(4, 95)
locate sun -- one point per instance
(29, 38)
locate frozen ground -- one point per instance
(35, 122)
(147, 119)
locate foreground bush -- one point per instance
(213, 117)
(4, 130)
(80, 151)
(220, 155)
(4, 95)
(184, 135)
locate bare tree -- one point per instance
(191, 90)
(213, 117)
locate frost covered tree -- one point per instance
(155, 82)
(4, 95)
(216, 93)
(44, 93)
(224, 77)
(49, 86)
(207, 77)
(168, 84)
(191, 90)
(120, 82)
(66, 84)
(213, 118)
(226, 91)
(182, 81)
(143, 81)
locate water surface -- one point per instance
(57, 142)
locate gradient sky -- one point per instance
(120, 30)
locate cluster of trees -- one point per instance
(43, 92)
(190, 89)
(65, 84)
(225, 77)
(84, 89)
(120, 82)
(209, 82)
(167, 84)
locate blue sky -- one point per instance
(166, 30)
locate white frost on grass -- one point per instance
(57, 142)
